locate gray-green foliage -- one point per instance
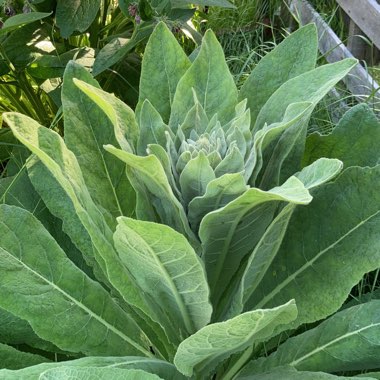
(190, 237)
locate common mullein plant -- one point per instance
(204, 236)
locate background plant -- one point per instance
(38, 39)
(193, 265)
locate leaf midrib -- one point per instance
(166, 276)
(102, 156)
(80, 305)
(290, 278)
(227, 241)
(332, 342)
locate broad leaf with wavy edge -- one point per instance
(352, 139)
(347, 341)
(228, 234)
(333, 240)
(207, 348)
(161, 368)
(41, 285)
(165, 267)
(68, 182)
(320, 172)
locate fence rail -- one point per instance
(359, 81)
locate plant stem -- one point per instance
(237, 366)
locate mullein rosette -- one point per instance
(207, 226)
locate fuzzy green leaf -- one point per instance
(262, 256)
(18, 191)
(212, 82)
(296, 55)
(347, 341)
(228, 234)
(347, 223)
(195, 177)
(196, 120)
(163, 65)
(75, 15)
(290, 373)
(14, 330)
(121, 117)
(283, 157)
(166, 269)
(319, 172)
(311, 86)
(162, 369)
(64, 373)
(152, 128)
(281, 136)
(352, 140)
(157, 201)
(219, 192)
(87, 129)
(14, 359)
(208, 347)
(68, 198)
(39, 284)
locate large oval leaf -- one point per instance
(352, 140)
(329, 246)
(166, 268)
(347, 341)
(41, 285)
(161, 368)
(75, 15)
(207, 348)
(228, 234)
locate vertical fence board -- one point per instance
(359, 82)
(366, 15)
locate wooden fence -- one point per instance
(364, 17)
